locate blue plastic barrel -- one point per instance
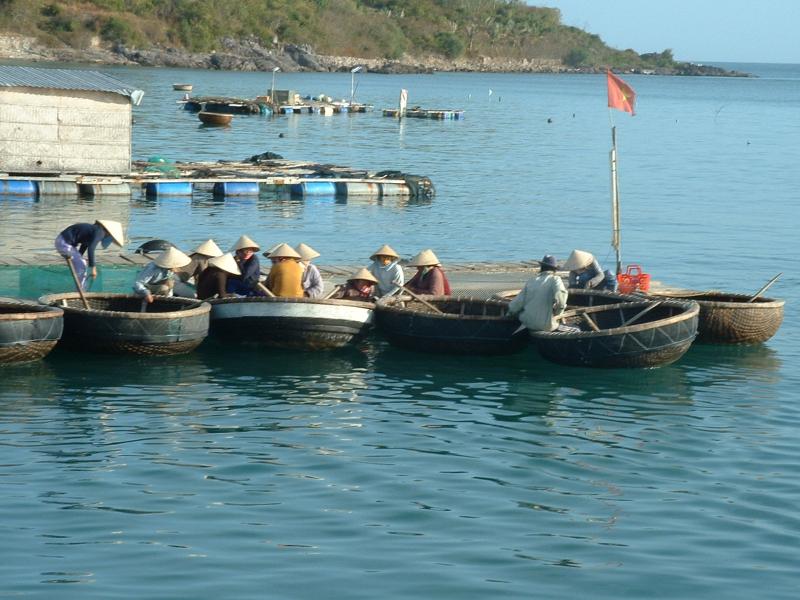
(17, 187)
(169, 188)
(236, 188)
(313, 188)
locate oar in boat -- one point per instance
(330, 294)
(267, 292)
(766, 286)
(641, 313)
(77, 283)
(425, 302)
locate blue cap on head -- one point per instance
(549, 261)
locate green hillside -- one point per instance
(363, 28)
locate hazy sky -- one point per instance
(695, 30)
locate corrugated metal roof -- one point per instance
(66, 79)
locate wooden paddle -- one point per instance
(766, 286)
(425, 302)
(77, 283)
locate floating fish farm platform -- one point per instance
(262, 106)
(426, 113)
(228, 178)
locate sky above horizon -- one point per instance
(695, 30)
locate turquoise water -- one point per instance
(381, 473)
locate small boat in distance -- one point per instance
(727, 318)
(117, 323)
(28, 331)
(182, 87)
(627, 334)
(298, 323)
(462, 325)
(212, 118)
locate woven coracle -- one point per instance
(661, 336)
(727, 318)
(297, 323)
(28, 331)
(465, 325)
(114, 323)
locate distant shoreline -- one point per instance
(246, 56)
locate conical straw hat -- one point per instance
(268, 251)
(384, 250)
(363, 274)
(426, 258)
(208, 248)
(578, 259)
(114, 229)
(306, 252)
(172, 259)
(245, 242)
(226, 262)
(284, 251)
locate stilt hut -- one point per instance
(57, 121)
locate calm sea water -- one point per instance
(233, 473)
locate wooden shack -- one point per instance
(57, 121)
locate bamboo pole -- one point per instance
(766, 286)
(420, 299)
(78, 285)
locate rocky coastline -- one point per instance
(249, 55)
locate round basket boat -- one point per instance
(628, 334)
(299, 323)
(463, 325)
(28, 331)
(115, 323)
(213, 118)
(727, 318)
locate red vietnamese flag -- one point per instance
(620, 95)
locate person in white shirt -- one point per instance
(542, 299)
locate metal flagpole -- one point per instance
(615, 238)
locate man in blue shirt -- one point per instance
(83, 238)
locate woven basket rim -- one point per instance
(193, 307)
(267, 299)
(691, 311)
(29, 311)
(389, 305)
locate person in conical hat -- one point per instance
(312, 278)
(158, 277)
(361, 285)
(208, 249)
(542, 299)
(191, 272)
(245, 242)
(83, 238)
(285, 278)
(247, 283)
(586, 273)
(212, 281)
(267, 252)
(387, 270)
(429, 278)
(385, 250)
